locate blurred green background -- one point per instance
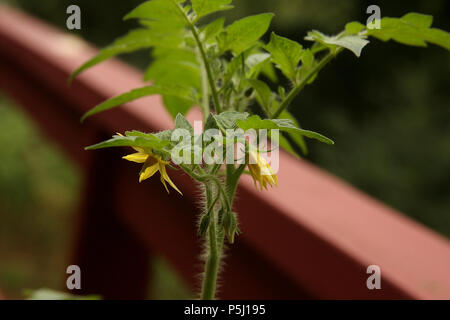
(388, 112)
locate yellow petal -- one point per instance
(138, 157)
(148, 172)
(165, 176)
(139, 149)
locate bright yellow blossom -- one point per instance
(152, 164)
(260, 170)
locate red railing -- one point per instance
(312, 237)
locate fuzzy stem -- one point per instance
(213, 256)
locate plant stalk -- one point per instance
(213, 256)
(200, 46)
(294, 92)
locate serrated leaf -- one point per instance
(233, 66)
(285, 53)
(212, 29)
(148, 141)
(227, 120)
(205, 7)
(178, 66)
(175, 105)
(134, 40)
(264, 94)
(255, 63)
(307, 58)
(242, 34)
(210, 123)
(165, 135)
(296, 137)
(418, 19)
(268, 70)
(136, 94)
(182, 123)
(167, 71)
(136, 133)
(354, 27)
(286, 125)
(412, 29)
(354, 43)
(158, 10)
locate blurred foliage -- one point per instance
(388, 112)
(49, 294)
(38, 189)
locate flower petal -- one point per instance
(148, 171)
(165, 176)
(137, 157)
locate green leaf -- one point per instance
(165, 135)
(296, 137)
(354, 27)
(136, 94)
(180, 66)
(175, 67)
(158, 10)
(286, 125)
(212, 29)
(255, 63)
(205, 7)
(417, 19)
(354, 43)
(227, 120)
(286, 145)
(134, 40)
(412, 29)
(264, 94)
(233, 66)
(182, 123)
(210, 123)
(49, 294)
(175, 105)
(147, 141)
(268, 70)
(308, 63)
(136, 133)
(285, 53)
(167, 71)
(243, 33)
(307, 58)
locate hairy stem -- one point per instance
(213, 256)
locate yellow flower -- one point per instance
(261, 171)
(152, 164)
